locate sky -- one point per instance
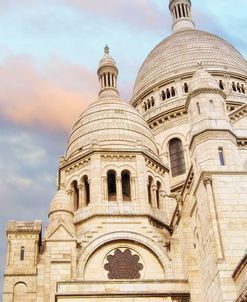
(49, 53)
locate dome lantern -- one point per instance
(181, 14)
(108, 73)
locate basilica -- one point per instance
(151, 202)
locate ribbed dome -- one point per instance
(181, 52)
(110, 124)
(61, 202)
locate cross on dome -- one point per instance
(107, 49)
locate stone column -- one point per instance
(119, 188)
(162, 201)
(208, 182)
(154, 196)
(82, 199)
(105, 189)
(132, 188)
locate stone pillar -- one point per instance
(105, 189)
(208, 182)
(70, 193)
(154, 196)
(132, 188)
(162, 201)
(82, 199)
(119, 188)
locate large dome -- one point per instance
(110, 124)
(181, 52)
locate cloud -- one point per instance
(50, 96)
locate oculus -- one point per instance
(123, 264)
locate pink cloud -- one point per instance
(141, 13)
(51, 96)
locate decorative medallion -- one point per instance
(123, 264)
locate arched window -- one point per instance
(184, 15)
(168, 94)
(221, 156)
(242, 89)
(152, 101)
(150, 183)
(163, 95)
(126, 191)
(20, 292)
(111, 183)
(238, 87)
(75, 194)
(234, 86)
(186, 88)
(221, 85)
(145, 106)
(173, 92)
(176, 157)
(158, 194)
(198, 108)
(22, 253)
(87, 190)
(179, 11)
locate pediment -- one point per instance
(61, 232)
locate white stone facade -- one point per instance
(152, 197)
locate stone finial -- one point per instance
(107, 49)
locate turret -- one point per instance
(181, 14)
(108, 73)
(211, 131)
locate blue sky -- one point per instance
(49, 53)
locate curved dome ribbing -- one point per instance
(181, 52)
(110, 124)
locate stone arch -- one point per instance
(129, 168)
(20, 292)
(86, 172)
(152, 246)
(111, 167)
(70, 180)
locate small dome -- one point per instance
(202, 79)
(110, 124)
(180, 53)
(107, 60)
(61, 202)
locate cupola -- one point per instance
(181, 14)
(108, 73)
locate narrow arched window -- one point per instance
(145, 107)
(234, 86)
(238, 87)
(126, 191)
(184, 15)
(152, 101)
(221, 85)
(179, 11)
(173, 92)
(111, 183)
(149, 105)
(198, 108)
(150, 183)
(87, 189)
(242, 89)
(163, 95)
(158, 194)
(176, 157)
(22, 253)
(186, 88)
(221, 156)
(168, 94)
(76, 194)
